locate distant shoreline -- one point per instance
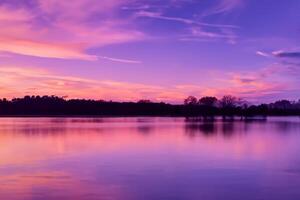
(144, 116)
(228, 107)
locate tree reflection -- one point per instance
(145, 129)
(203, 125)
(225, 126)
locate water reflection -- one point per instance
(228, 127)
(110, 158)
(206, 126)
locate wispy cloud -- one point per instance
(286, 54)
(286, 58)
(157, 15)
(198, 34)
(120, 60)
(198, 30)
(139, 7)
(224, 6)
(228, 5)
(261, 53)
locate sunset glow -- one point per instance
(127, 50)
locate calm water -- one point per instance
(149, 159)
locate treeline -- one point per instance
(230, 105)
(205, 106)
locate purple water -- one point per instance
(149, 159)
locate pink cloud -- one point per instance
(44, 49)
(7, 14)
(16, 81)
(65, 34)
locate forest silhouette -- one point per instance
(191, 106)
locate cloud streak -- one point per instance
(198, 34)
(287, 54)
(44, 49)
(157, 15)
(224, 6)
(120, 60)
(261, 53)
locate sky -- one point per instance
(161, 50)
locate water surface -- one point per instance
(149, 159)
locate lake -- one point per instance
(149, 159)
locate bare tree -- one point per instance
(228, 101)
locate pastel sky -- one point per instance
(162, 50)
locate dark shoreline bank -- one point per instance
(52, 106)
(205, 117)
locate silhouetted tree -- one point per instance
(144, 101)
(297, 104)
(228, 101)
(208, 101)
(283, 104)
(191, 100)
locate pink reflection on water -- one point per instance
(128, 158)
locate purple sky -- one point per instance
(163, 50)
